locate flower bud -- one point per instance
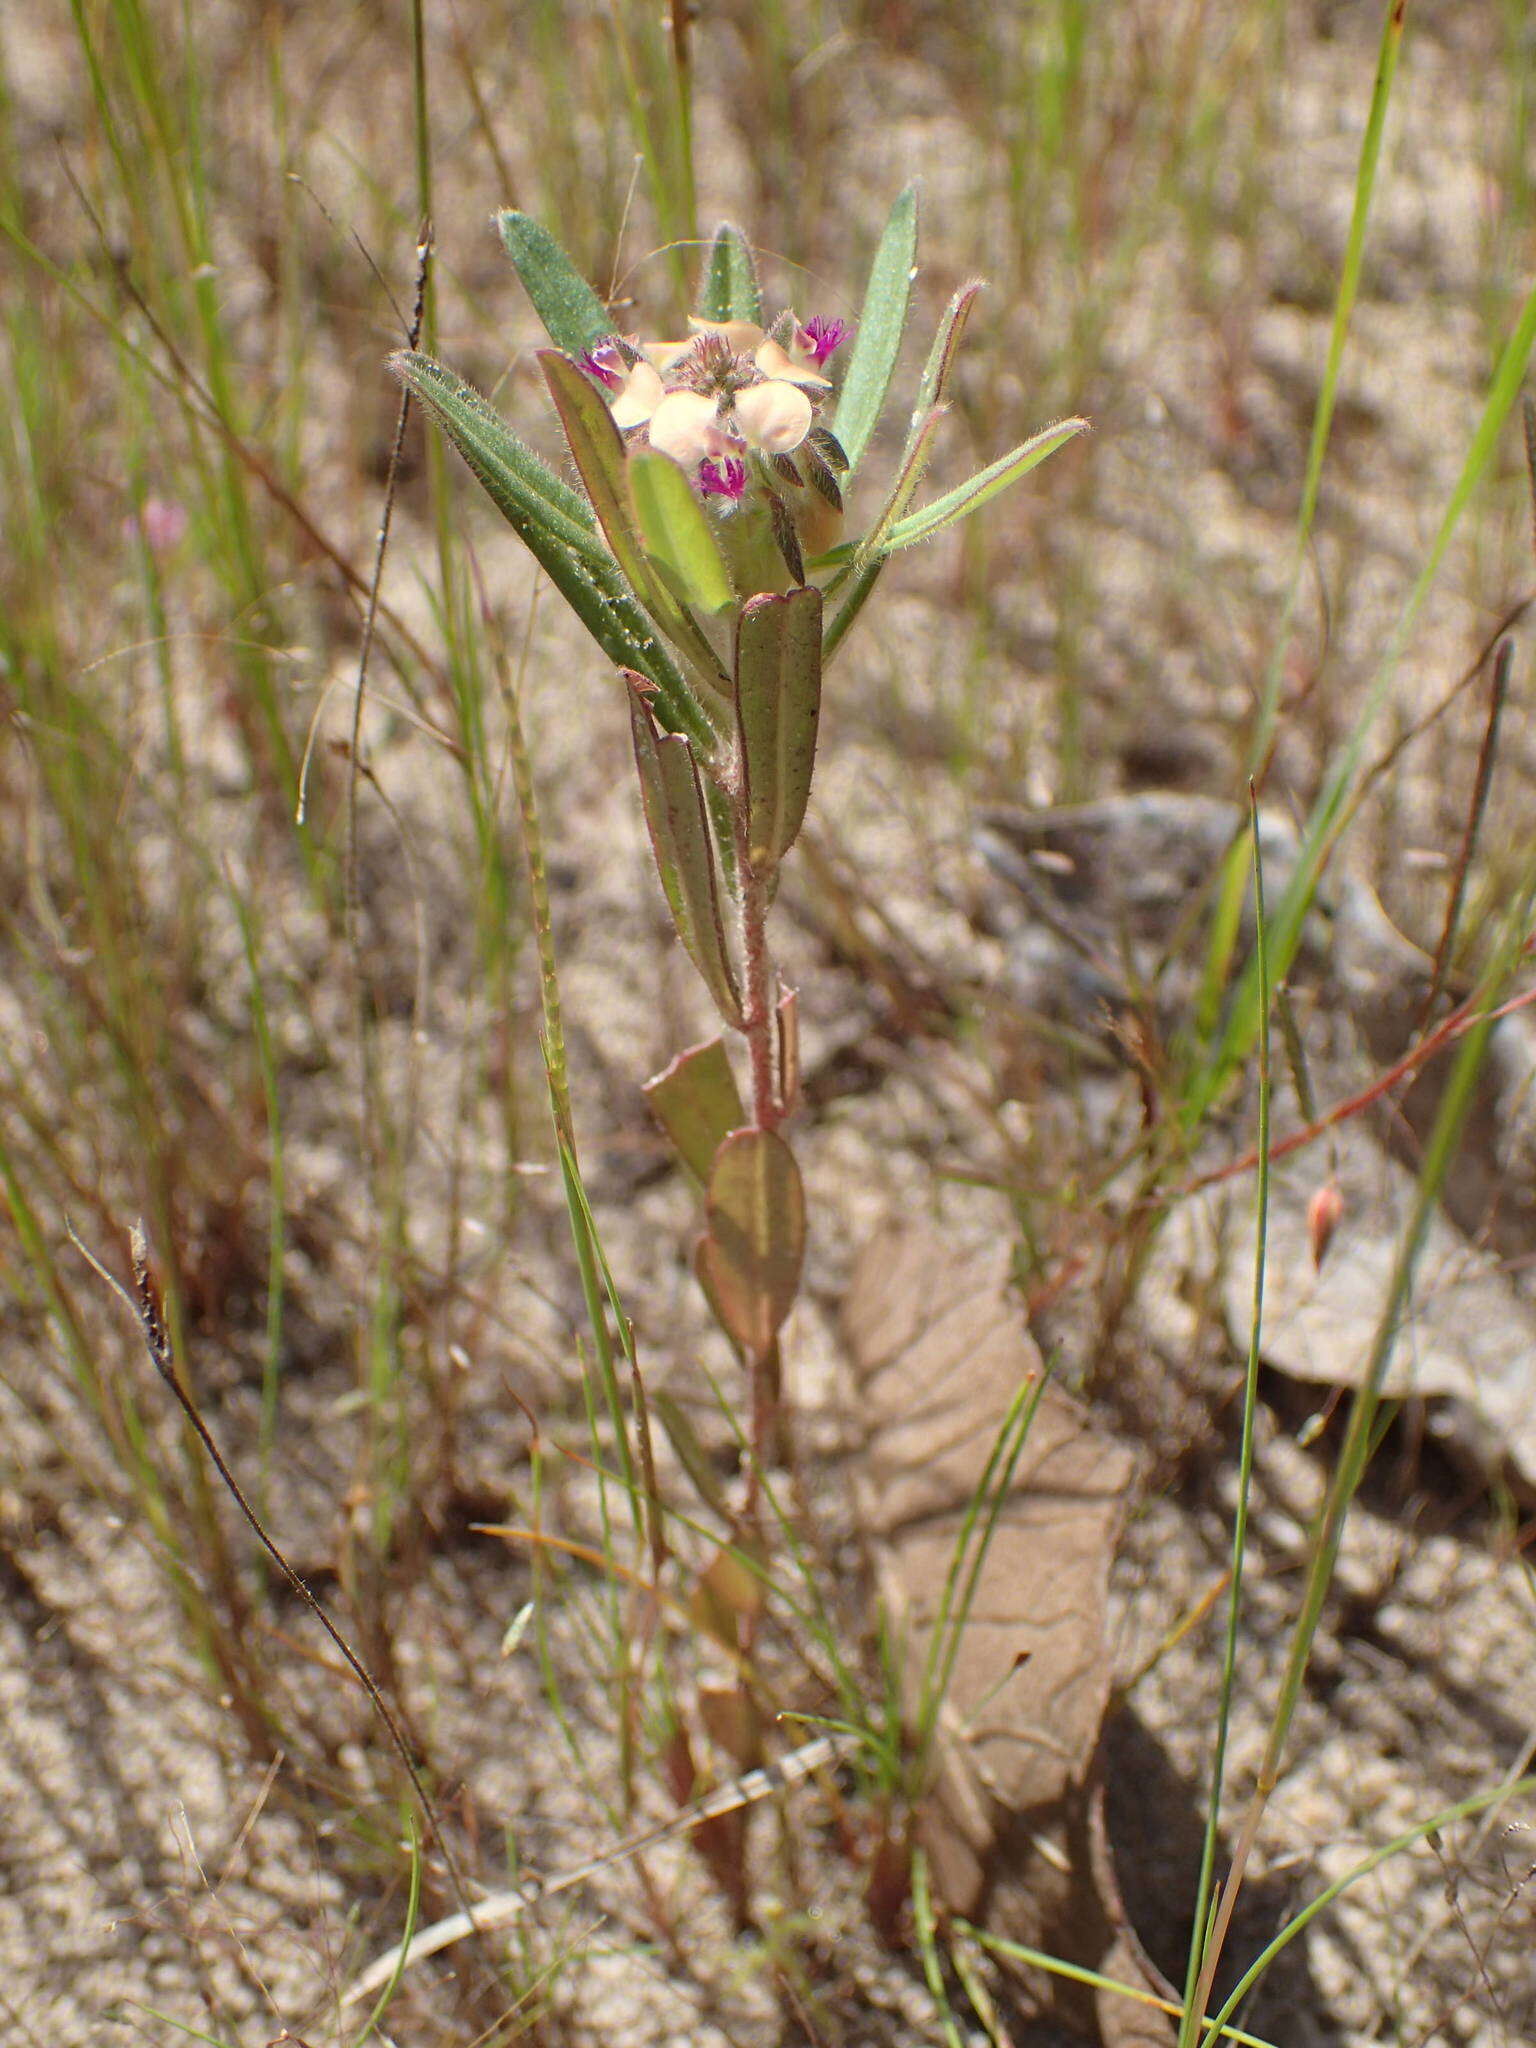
(1325, 1211)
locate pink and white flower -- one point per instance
(728, 393)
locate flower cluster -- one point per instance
(735, 406)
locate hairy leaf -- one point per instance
(574, 316)
(882, 323)
(934, 382)
(678, 824)
(556, 524)
(730, 289)
(597, 448)
(676, 532)
(986, 483)
(778, 707)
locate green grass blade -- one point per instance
(1464, 1809)
(1228, 1690)
(412, 1915)
(1290, 915)
(1322, 421)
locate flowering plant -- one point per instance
(705, 555)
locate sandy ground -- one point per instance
(170, 1860)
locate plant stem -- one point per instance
(768, 1438)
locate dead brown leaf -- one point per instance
(940, 1353)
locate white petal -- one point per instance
(775, 416)
(643, 392)
(774, 361)
(742, 335)
(665, 353)
(686, 427)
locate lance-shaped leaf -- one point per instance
(556, 524)
(853, 603)
(698, 1104)
(574, 316)
(678, 823)
(754, 1245)
(909, 474)
(675, 531)
(926, 415)
(521, 487)
(934, 382)
(778, 705)
(730, 290)
(881, 325)
(985, 484)
(597, 448)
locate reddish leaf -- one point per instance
(753, 1248)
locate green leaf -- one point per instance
(926, 414)
(574, 316)
(869, 559)
(941, 357)
(597, 448)
(675, 531)
(678, 823)
(730, 290)
(778, 706)
(1331, 808)
(754, 1246)
(985, 484)
(697, 1103)
(909, 474)
(851, 606)
(556, 524)
(881, 325)
(519, 484)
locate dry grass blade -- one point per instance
(504, 1909)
